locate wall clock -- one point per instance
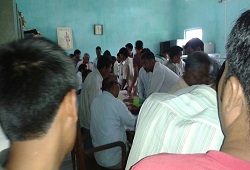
(98, 29)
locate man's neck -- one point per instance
(34, 154)
(237, 140)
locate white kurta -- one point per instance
(79, 80)
(91, 88)
(179, 85)
(186, 122)
(108, 118)
(160, 80)
(128, 70)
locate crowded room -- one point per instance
(125, 85)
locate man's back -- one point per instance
(91, 88)
(108, 118)
(186, 122)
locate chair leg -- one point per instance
(73, 156)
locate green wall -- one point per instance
(124, 21)
(130, 20)
(216, 19)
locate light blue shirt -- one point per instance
(109, 116)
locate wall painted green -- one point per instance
(124, 21)
(130, 20)
(216, 19)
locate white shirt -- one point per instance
(91, 88)
(160, 59)
(120, 67)
(186, 122)
(175, 68)
(128, 70)
(179, 85)
(160, 80)
(79, 80)
(108, 118)
(89, 65)
(116, 68)
(4, 142)
(95, 62)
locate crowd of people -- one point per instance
(195, 116)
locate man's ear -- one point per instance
(70, 101)
(232, 99)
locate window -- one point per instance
(193, 33)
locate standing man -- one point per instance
(91, 89)
(77, 56)
(128, 71)
(86, 62)
(154, 76)
(109, 117)
(38, 103)
(174, 61)
(137, 67)
(98, 52)
(129, 47)
(234, 109)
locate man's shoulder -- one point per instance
(177, 162)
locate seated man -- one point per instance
(175, 63)
(196, 71)
(90, 89)
(185, 122)
(154, 76)
(38, 103)
(234, 106)
(195, 44)
(109, 116)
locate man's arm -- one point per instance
(141, 88)
(125, 75)
(127, 118)
(136, 73)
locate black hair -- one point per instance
(129, 46)
(71, 55)
(196, 60)
(103, 61)
(108, 81)
(86, 54)
(147, 54)
(35, 76)
(238, 53)
(77, 52)
(107, 53)
(219, 74)
(145, 50)
(98, 48)
(174, 51)
(139, 45)
(194, 43)
(82, 67)
(124, 51)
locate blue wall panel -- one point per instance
(123, 21)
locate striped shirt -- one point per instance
(186, 122)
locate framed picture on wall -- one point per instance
(98, 29)
(64, 36)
